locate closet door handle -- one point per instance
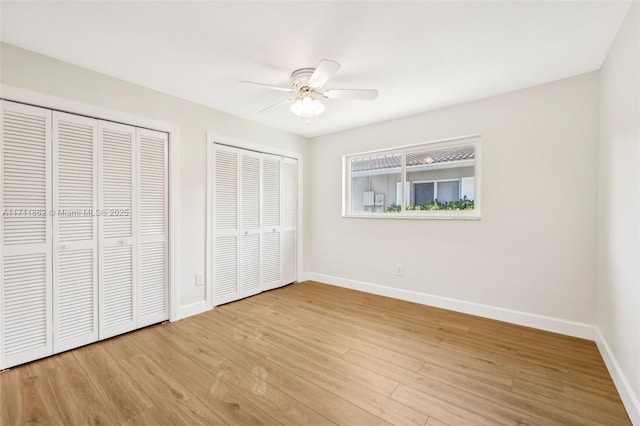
(121, 242)
(63, 247)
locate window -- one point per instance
(431, 180)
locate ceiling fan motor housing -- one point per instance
(300, 79)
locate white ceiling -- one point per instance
(419, 55)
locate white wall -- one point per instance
(618, 291)
(25, 69)
(534, 250)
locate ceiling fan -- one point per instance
(308, 88)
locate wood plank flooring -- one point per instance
(313, 354)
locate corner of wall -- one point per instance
(629, 398)
(617, 334)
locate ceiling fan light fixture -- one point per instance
(307, 107)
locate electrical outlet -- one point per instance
(399, 270)
(199, 280)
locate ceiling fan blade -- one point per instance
(359, 94)
(274, 105)
(268, 86)
(324, 71)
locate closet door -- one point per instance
(250, 235)
(153, 290)
(117, 229)
(25, 234)
(75, 231)
(289, 219)
(225, 222)
(271, 231)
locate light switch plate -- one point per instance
(199, 280)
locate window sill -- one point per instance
(420, 216)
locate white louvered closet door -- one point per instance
(153, 290)
(117, 229)
(226, 209)
(271, 218)
(289, 219)
(250, 235)
(75, 231)
(25, 234)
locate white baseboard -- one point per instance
(629, 398)
(306, 276)
(556, 325)
(192, 309)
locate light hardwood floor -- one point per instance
(315, 354)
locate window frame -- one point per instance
(474, 214)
